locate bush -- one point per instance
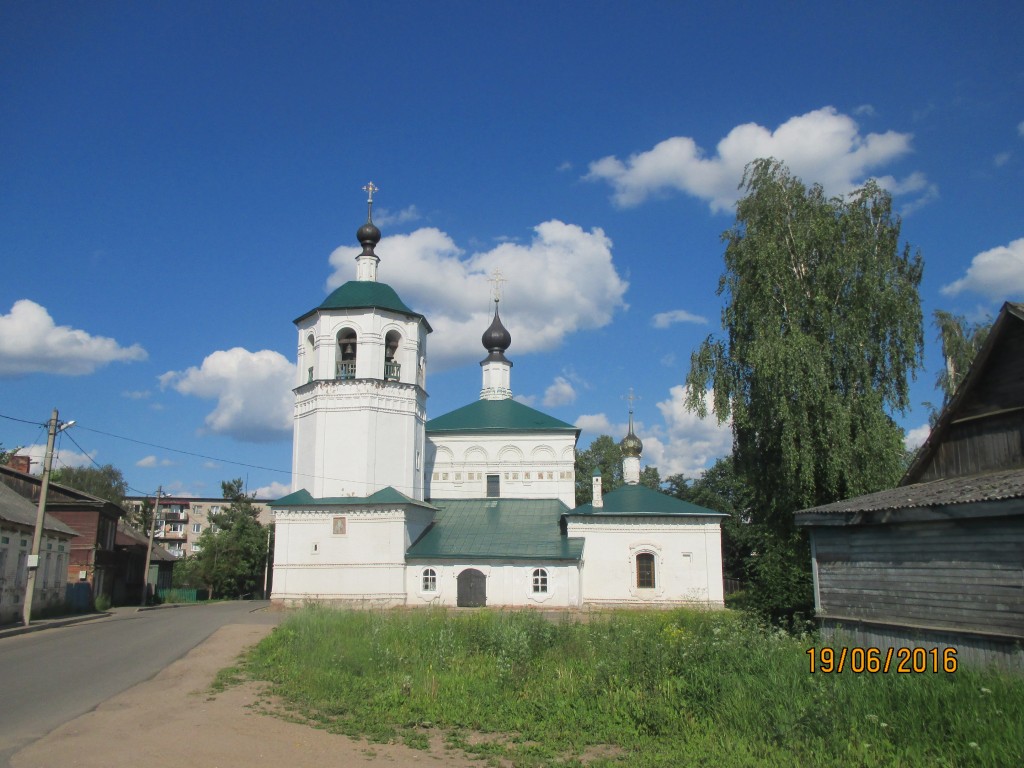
(102, 603)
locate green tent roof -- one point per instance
(389, 495)
(366, 294)
(497, 415)
(641, 500)
(497, 529)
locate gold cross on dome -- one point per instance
(369, 189)
(496, 279)
(631, 397)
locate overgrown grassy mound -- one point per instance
(639, 689)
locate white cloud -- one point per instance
(561, 392)
(915, 437)
(253, 391)
(385, 218)
(61, 457)
(1001, 159)
(564, 166)
(666, 319)
(530, 400)
(30, 342)
(687, 443)
(682, 443)
(997, 273)
(148, 462)
(273, 491)
(1020, 129)
(137, 394)
(864, 109)
(561, 282)
(823, 146)
(595, 424)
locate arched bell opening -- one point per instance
(392, 368)
(345, 368)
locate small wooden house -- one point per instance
(939, 560)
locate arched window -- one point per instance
(645, 570)
(429, 580)
(540, 581)
(345, 368)
(309, 357)
(392, 368)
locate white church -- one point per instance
(471, 508)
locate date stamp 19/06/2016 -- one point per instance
(904, 661)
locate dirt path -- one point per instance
(172, 720)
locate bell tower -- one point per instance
(360, 390)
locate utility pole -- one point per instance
(37, 535)
(266, 565)
(149, 549)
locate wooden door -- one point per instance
(472, 589)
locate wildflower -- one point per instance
(986, 690)
(873, 718)
(885, 725)
(973, 745)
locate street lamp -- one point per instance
(53, 428)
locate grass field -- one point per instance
(680, 688)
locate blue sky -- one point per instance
(182, 180)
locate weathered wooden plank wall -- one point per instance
(958, 575)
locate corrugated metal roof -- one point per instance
(497, 415)
(988, 486)
(482, 529)
(15, 508)
(641, 500)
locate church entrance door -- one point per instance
(472, 589)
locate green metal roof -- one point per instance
(497, 415)
(366, 294)
(389, 495)
(497, 529)
(641, 500)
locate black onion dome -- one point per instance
(496, 339)
(368, 234)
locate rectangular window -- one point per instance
(197, 527)
(340, 526)
(196, 547)
(493, 486)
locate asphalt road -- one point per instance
(52, 676)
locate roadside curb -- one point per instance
(36, 626)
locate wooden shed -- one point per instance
(939, 560)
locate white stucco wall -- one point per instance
(509, 583)
(354, 437)
(687, 555)
(530, 465)
(363, 562)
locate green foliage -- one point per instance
(233, 550)
(823, 332)
(634, 688)
(101, 603)
(107, 481)
(606, 454)
(5, 455)
(723, 490)
(960, 341)
(187, 572)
